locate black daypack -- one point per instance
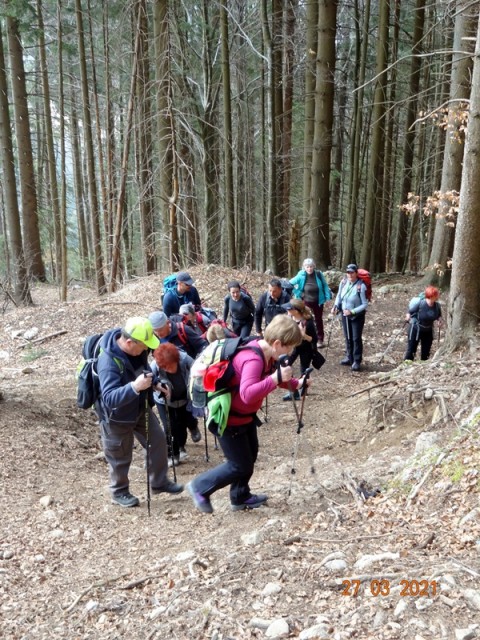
(88, 385)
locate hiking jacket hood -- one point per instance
(116, 371)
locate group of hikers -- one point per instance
(148, 362)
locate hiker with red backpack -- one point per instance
(352, 303)
(240, 306)
(181, 335)
(253, 379)
(310, 286)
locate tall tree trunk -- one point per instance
(311, 31)
(290, 266)
(79, 191)
(369, 253)
(464, 301)
(92, 180)
(401, 255)
(120, 230)
(63, 177)
(145, 146)
(227, 138)
(21, 290)
(463, 46)
(52, 169)
(319, 236)
(348, 253)
(164, 100)
(31, 232)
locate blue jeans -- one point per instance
(240, 446)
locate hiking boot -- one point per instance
(125, 499)
(320, 345)
(169, 487)
(183, 455)
(253, 502)
(288, 396)
(175, 461)
(195, 434)
(345, 361)
(356, 366)
(202, 502)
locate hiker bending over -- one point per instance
(270, 304)
(183, 293)
(422, 313)
(125, 397)
(252, 381)
(181, 335)
(351, 302)
(310, 286)
(173, 367)
(302, 315)
(241, 308)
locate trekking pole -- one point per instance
(393, 340)
(349, 341)
(300, 425)
(329, 335)
(207, 457)
(168, 429)
(438, 337)
(147, 445)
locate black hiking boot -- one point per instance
(125, 500)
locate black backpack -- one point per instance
(88, 385)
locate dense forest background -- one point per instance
(140, 137)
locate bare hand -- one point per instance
(144, 381)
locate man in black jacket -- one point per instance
(270, 304)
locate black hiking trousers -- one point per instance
(352, 330)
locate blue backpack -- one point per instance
(169, 284)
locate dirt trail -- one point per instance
(81, 567)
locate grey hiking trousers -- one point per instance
(117, 441)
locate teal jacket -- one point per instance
(299, 280)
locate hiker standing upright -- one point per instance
(270, 304)
(351, 302)
(183, 293)
(125, 399)
(252, 381)
(423, 311)
(241, 308)
(310, 285)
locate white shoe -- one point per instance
(176, 461)
(183, 455)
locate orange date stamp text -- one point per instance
(381, 587)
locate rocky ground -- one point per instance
(324, 559)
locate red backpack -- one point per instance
(366, 278)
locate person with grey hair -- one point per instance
(310, 286)
(184, 337)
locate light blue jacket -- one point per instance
(352, 296)
(299, 280)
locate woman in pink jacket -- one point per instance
(254, 378)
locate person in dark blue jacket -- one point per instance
(125, 400)
(241, 308)
(183, 293)
(423, 311)
(181, 335)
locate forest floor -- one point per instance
(318, 561)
